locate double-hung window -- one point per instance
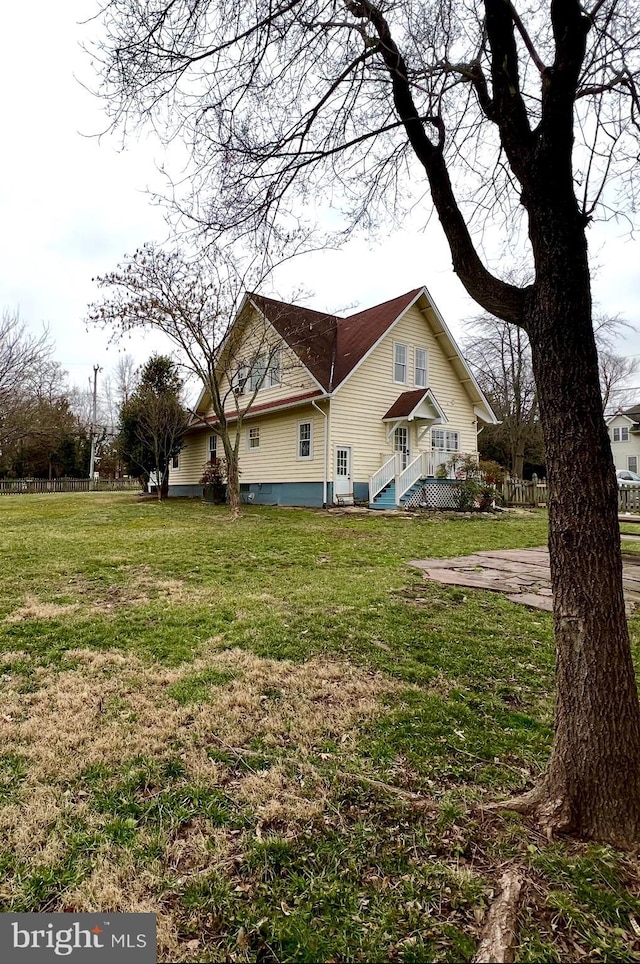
(213, 448)
(305, 440)
(258, 372)
(400, 353)
(253, 437)
(621, 434)
(273, 375)
(421, 367)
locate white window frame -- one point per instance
(621, 433)
(258, 374)
(273, 371)
(446, 436)
(213, 449)
(300, 440)
(634, 467)
(253, 436)
(404, 364)
(455, 435)
(423, 368)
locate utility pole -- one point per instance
(94, 416)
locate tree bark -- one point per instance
(592, 784)
(233, 485)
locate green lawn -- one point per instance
(198, 718)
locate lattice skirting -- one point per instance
(434, 495)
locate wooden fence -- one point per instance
(26, 486)
(629, 500)
(519, 492)
(515, 492)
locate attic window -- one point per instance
(258, 372)
(621, 434)
(273, 375)
(400, 363)
(421, 367)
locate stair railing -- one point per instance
(414, 471)
(385, 474)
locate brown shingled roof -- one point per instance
(311, 334)
(358, 333)
(278, 403)
(328, 345)
(405, 403)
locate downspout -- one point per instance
(326, 448)
(325, 481)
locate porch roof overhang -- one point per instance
(420, 404)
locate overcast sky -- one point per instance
(71, 205)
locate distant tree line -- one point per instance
(46, 426)
(41, 433)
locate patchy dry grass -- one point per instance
(139, 588)
(211, 722)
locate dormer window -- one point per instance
(621, 434)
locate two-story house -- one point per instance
(362, 407)
(624, 434)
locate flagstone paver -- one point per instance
(523, 575)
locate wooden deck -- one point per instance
(523, 575)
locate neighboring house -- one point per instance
(364, 407)
(624, 433)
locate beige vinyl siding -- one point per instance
(622, 450)
(276, 460)
(191, 460)
(358, 407)
(294, 377)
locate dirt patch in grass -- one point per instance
(94, 597)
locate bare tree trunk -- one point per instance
(518, 462)
(592, 784)
(233, 486)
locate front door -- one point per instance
(401, 445)
(343, 485)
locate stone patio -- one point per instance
(521, 574)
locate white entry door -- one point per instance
(343, 484)
(401, 444)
